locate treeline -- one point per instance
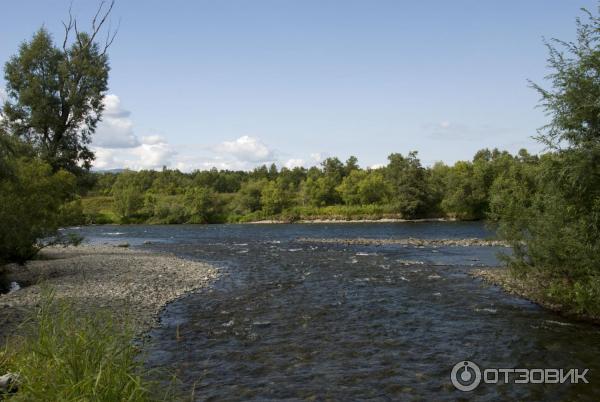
(334, 190)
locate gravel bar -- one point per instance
(131, 283)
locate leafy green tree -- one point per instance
(552, 214)
(274, 198)
(128, 194)
(248, 199)
(409, 184)
(321, 191)
(201, 204)
(351, 165)
(55, 93)
(334, 170)
(349, 190)
(31, 200)
(373, 189)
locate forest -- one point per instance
(336, 190)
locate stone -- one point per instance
(9, 383)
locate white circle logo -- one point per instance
(466, 376)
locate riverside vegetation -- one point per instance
(546, 206)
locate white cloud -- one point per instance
(115, 130)
(317, 156)
(246, 149)
(292, 163)
(153, 139)
(152, 153)
(377, 166)
(117, 146)
(105, 159)
(3, 98)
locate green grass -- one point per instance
(99, 210)
(64, 355)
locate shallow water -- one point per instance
(291, 320)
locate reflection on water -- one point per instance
(296, 320)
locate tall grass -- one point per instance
(64, 355)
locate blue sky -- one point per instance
(233, 84)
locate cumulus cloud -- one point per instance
(292, 163)
(152, 153)
(117, 146)
(377, 166)
(116, 128)
(317, 156)
(246, 149)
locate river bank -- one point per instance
(351, 220)
(534, 288)
(133, 284)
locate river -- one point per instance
(301, 320)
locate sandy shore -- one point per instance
(130, 283)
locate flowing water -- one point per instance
(298, 320)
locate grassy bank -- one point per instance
(66, 355)
(576, 299)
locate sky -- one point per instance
(234, 84)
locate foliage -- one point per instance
(408, 182)
(31, 199)
(55, 97)
(550, 210)
(69, 355)
(128, 194)
(202, 205)
(404, 188)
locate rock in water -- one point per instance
(9, 383)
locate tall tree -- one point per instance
(55, 93)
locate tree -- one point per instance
(373, 189)
(31, 200)
(409, 184)
(248, 199)
(572, 102)
(128, 194)
(349, 190)
(201, 204)
(351, 165)
(55, 93)
(274, 198)
(321, 191)
(552, 215)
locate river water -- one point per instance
(300, 320)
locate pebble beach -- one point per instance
(130, 283)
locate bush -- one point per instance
(31, 199)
